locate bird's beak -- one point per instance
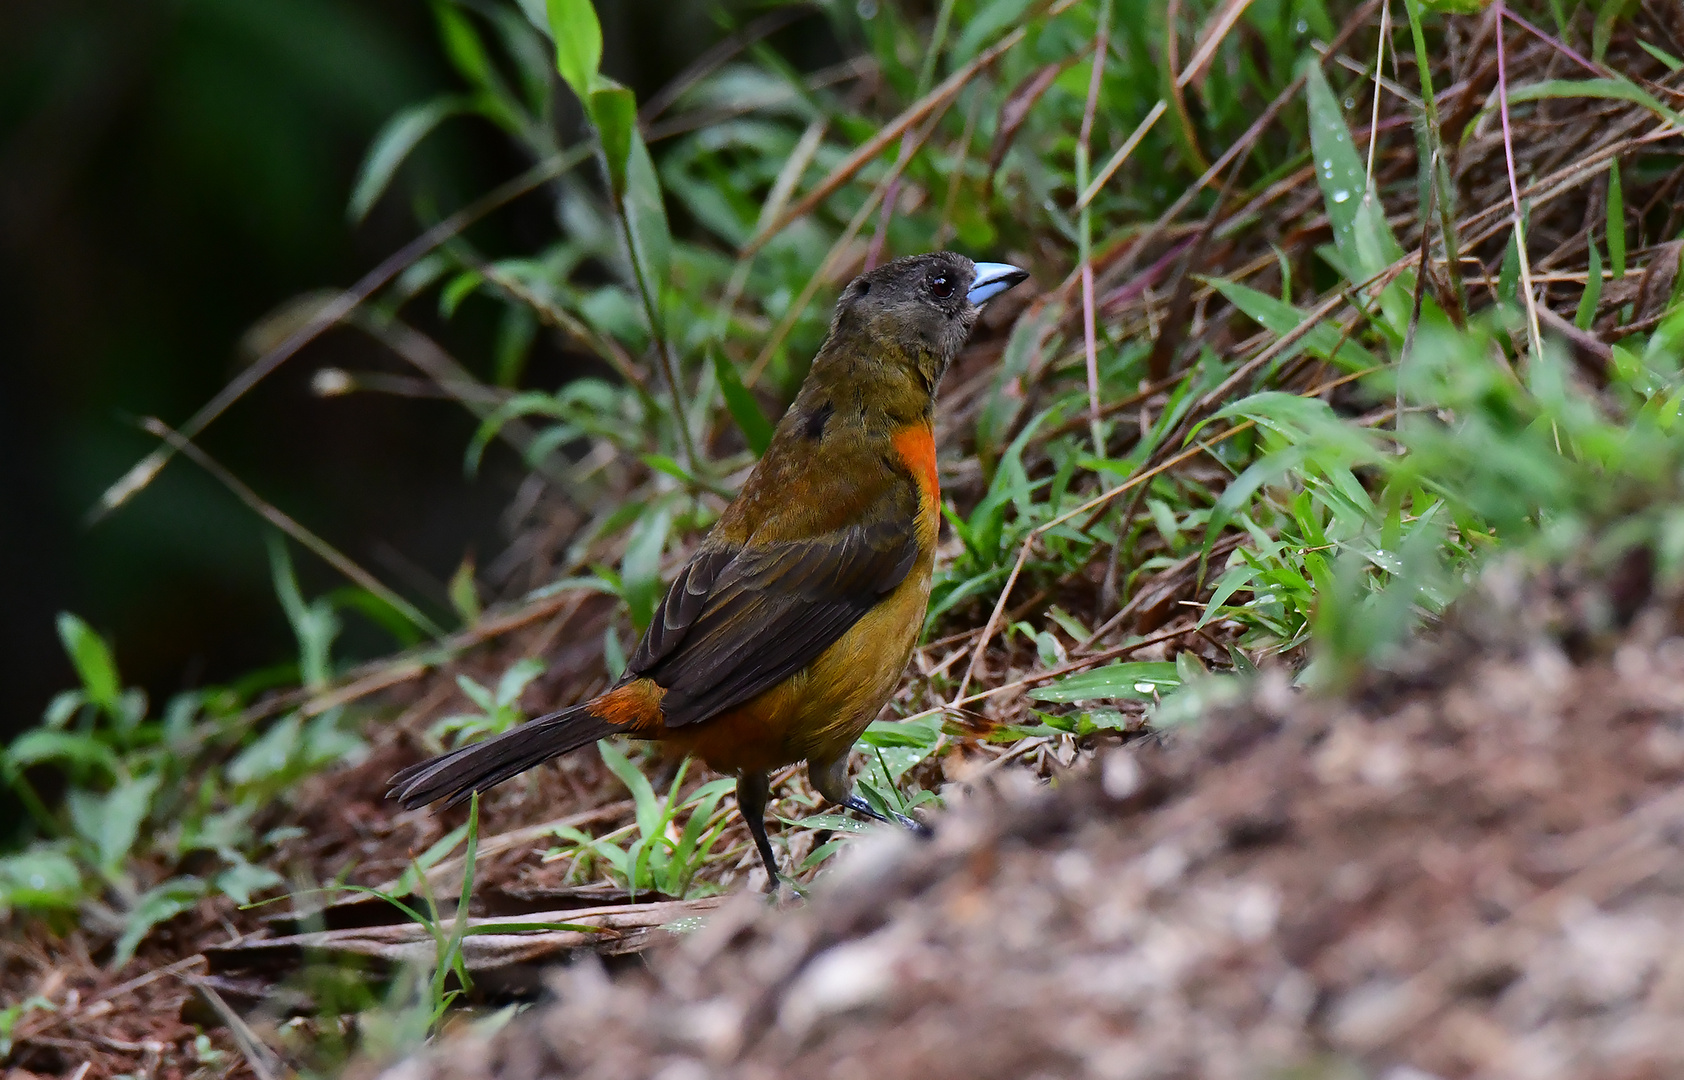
(992, 279)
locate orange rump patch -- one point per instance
(916, 446)
(633, 706)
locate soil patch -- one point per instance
(1468, 866)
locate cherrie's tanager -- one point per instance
(787, 631)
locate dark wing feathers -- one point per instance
(738, 621)
(679, 607)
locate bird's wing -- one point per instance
(740, 620)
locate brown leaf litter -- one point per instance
(1467, 866)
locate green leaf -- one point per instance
(41, 745)
(63, 707)
(476, 692)
(1508, 278)
(1673, 64)
(450, 951)
(401, 135)
(271, 755)
(40, 879)
(1139, 680)
(643, 796)
(158, 905)
(444, 845)
(898, 745)
(744, 409)
(463, 45)
(841, 823)
(1281, 319)
(515, 680)
(1592, 296)
(985, 25)
(92, 659)
(1666, 344)
(1233, 581)
(112, 822)
(578, 43)
(1616, 89)
(1608, 13)
(243, 878)
(464, 593)
(1616, 221)
(1360, 231)
(640, 570)
(613, 653)
(646, 220)
(613, 112)
(314, 624)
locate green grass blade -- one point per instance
(1586, 313)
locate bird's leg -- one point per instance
(830, 779)
(753, 789)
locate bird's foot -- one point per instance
(913, 825)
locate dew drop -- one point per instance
(1303, 26)
(1143, 688)
(1341, 195)
(867, 9)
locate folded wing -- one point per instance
(740, 620)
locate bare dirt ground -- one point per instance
(1467, 866)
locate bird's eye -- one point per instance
(941, 286)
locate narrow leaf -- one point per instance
(578, 43)
(613, 110)
(1360, 231)
(402, 133)
(744, 409)
(646, 220)
(92, 659)
(1593, 290)
(1616, 221)
(1137, 680)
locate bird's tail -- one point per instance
(483, 765)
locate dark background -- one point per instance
(170, 172)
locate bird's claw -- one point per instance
(915, 827)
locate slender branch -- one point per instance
(144, 471)
(276, 517)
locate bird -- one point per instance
(791, 624)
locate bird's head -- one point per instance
(917, 310)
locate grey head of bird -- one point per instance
(921, 307)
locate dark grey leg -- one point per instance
(830, 779)
(753, 789)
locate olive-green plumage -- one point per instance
(788, 629)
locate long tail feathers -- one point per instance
(483, 765)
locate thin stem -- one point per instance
(1435, 145)
(938, 41)
(945, 228)
(1533, 332)
(1085, 227)
(272, 514)
(144, 471)
(663, 348)
(1379, 77)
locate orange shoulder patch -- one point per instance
(916, 446)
